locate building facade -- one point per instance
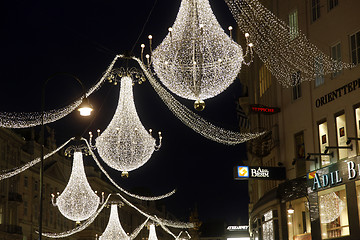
(315, 136)
(19, 195)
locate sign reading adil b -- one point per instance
(265, 173)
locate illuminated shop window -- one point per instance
(341, 135)
(270, 225)
(358, 195)
(333, 212)
(357, 117)
(299, 221)
(323, 142)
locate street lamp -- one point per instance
(290, 209)
(85, 110)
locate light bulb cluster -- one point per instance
(197, 60)
(31, 119)
(14, 171)
(125, 144)
(78, 201)
(193, 120)
(283, 54)
(114, 230)
(331, 207)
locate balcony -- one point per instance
(12, 229)
(15, 197)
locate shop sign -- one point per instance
(341, 91)
(258, 108)
(265, 173)
(334, 175)
(237, 228)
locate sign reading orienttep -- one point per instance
(258, 108)
(264, 173)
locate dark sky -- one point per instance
(40, 38)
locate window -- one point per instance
(293, 24)
(264, 79)
(300, 154)
(26, 181)
(355, 48)
(332, 4)
(295, 78)
(333, 212)
(358, 195)
(319, 72)
(1, 214)
(341, 135)
(299, 222)
(25, 208)
(323, 142)
(315, 10)
(270, 225)
(336, 55)
(357, 118)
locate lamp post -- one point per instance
(85, 110)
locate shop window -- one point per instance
(355, 48)
(358, 196)
(341, 135)
(299, 221)
(270, 225)
(293, 24)
(336, 55)
(323, 142)
(333, 212)
(357, 117)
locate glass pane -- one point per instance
(352, 42)
(358, 39)
(341, 135)
(338, 52)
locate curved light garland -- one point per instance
(78, 201)
(120, 188)
(194, 121)
(31, 119)
(282, 54)
(197, 60)
(331, 207)
(125, 145)
(14, 171)
(114, 230)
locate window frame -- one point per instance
(356, 49)
(315, 10)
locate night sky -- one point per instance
(41, 38)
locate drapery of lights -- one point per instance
(283, 51)
(125, 144)
(78, 201)
(14, 171)
(138, 229)
(197, 60)
(331, 207)
(120, 188)
(165, 222)
(31, 119)
(114, 230)
(165, 228)
(194, 121)
(79, 227)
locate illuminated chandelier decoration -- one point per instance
(197, 60)
(152, 232)
(125, 144)
(331, 207)
(78, 201)
(114, 230)
(283, 50)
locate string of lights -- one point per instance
(138, 229)
(14, 171)
(331, 207)
(282, 49)
(31, 119)
(165, 229)
(120, 188)
(197, 60)
(194, 121)
(125, 144)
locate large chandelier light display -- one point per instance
(152, 232)
(114, 230)
(197, 60)
(331, 207)
(284, 50)
(78, 201)
(125, 144)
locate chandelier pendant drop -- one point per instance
(78, 201)
(114, 230)
(125, 144)
(197, 60)
(152, 232)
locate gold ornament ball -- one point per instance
(199, 105)
(124, 174)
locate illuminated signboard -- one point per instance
(265, 173)
(258, 108)
(237, 228)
